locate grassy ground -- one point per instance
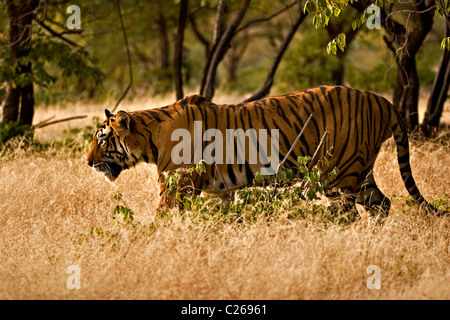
(56, 212)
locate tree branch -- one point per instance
(221, 49)
(47, 19)
(178, 59)
(130, 66)
(249, 23)
(218, 29)
(199, 35)
(46, 123)
(265, 89)
(281, 164)
(57, 34)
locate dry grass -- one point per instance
(50, 201)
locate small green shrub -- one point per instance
(80, 136)
(121, 209)
(14, 135)
(289, 189)
(442, 203)
(9, 129)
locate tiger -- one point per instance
(357, 122)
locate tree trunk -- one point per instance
(438, 95)
(163, 42)
(199, 36)
(234, 57)
(265, 89)
(220, 24)
(406, 91)
(19, 102)
(409, 41)
(220, 50)
(222, 9)
(164, 75)
(11, 107)
(27, 104)
(178, 59)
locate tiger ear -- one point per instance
(123, 120)
(108, 114)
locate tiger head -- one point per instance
(114, 147)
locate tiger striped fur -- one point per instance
(357, 123)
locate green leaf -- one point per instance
(445, 44)
(337, 11)
(341, 41)
(309, 7)
(315, 21)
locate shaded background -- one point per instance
(247, 48)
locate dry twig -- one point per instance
(281, 164)
(47, 122)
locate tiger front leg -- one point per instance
(166, 203)
(174, 187)
(168, 199)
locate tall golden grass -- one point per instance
(56, 212)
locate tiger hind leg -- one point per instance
(372, 199)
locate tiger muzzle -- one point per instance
(111, 170)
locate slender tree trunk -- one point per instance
(438, 95)
(235, 55)
(220, 51)
(178, 59)
(267, 85)
(19, 102)
(11, 106)
(163, 42)
(165, 71)
(334, 29)
(27, 104)
(406, 91)
(200, 36)
(219, 26)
